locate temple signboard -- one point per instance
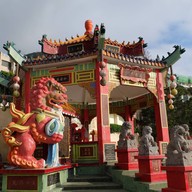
(64, 79)
(109, 152)
(75, 48)
(133, 75)
(112, 48)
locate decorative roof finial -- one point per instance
(88, 27)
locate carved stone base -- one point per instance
(34, 179)
(179, 178)
(126, 159)
(153, 150)
(179, 159)
(128, 144)
(150, 168)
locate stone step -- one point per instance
(90, 178)
(91, 185)
(57, 189)
(157, 186)
(99, 190)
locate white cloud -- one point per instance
(25, 21)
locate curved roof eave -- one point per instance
(61, 63)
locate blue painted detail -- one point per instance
(53, 156)
(52, 127)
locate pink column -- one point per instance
(102, 107)
(160, 111)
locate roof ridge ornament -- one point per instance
(174, 56)
(88, 27)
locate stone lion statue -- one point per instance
(147, 145)
(126, 138)
(178, 142)
(126, 132)
(179, 148)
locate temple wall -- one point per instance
(5, 119)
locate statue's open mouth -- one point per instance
(56, 103)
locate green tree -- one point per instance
(114, 128)
(181, 113)
(178, 114)
(147, 117)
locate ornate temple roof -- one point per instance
(135, 60)
(85, 49)
(89, 44)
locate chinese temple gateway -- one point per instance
(102, 77)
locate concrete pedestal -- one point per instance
(179, 178)
(126, 159)
(43, 180)
(150, 168)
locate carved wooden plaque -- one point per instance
(190, 179)
(155, 165)
(105, 110)
(64, 144)
(132, 156)
(53, 179)
(109, 152)
(163, 147)
(86, 151)
(22, 183)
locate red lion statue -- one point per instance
(45, 124)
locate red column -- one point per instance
(17, 102)
(160, 111)
(27, 91)
(102, 107)
(86, 124)
(86, 115)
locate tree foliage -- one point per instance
(181, 114)
(147, 117)
(182, 111)
(114, 128)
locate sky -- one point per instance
(162, 24)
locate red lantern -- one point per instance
(16, 78)
(170, 96)
(172, 77)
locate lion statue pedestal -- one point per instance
(47, 179)
(44, 125)
(149, 159)
(179, 160)
(127, 149)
